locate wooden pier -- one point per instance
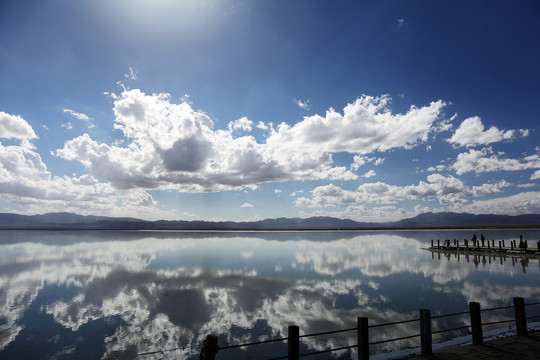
(507, 248)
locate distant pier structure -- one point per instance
(477, 246)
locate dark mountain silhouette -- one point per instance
(426, 220)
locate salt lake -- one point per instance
(116, 294)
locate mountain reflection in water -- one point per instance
(92, 294)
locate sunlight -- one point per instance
(143, 21)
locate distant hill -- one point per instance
(426, 220)
(449, 219)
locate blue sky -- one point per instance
(244, 110)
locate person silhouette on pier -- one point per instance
(521, 243)
(474, 239)
(482, 238)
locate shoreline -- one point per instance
(67, 228)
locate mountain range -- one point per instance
(426, 220)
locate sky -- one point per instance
(250, 109)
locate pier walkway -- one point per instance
(485, 248)
(509, 348)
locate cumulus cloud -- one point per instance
(471, 133)
(366, 125)
(15, 127)
(246, 205)
(448, 190)
(172, 146)
(241, 124)
(261, 125)
(26, 182)
(523, 203)
(484, 160)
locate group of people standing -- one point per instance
(522, 244)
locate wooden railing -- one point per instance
(211, 348)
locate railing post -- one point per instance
(476, 323)
(210, 348)
(425, 332)
(521, 318)
(294, 342)
(363, 338)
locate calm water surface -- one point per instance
(96, 295)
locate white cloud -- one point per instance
(246, 205)
(167, 146)
(369, 174)
(26, 182)
(438, 168)
(366, 125)
(171, 146)
(481, 161)
(294, 193)
(190, 215)
(76, 115)
(261, 125)
(489, 188)
(471, 133)
(401, 23)
(361, 160)
(328, 194)
(302, 104)
(278, 192)
(67, 126)
(241, 124)
(523, 203)
(15, 127)
(448, 190)
(133, 75)
(535, 175)
(358, 162)
(187, 99)
(80, 116)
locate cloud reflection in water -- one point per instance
(169, 290)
